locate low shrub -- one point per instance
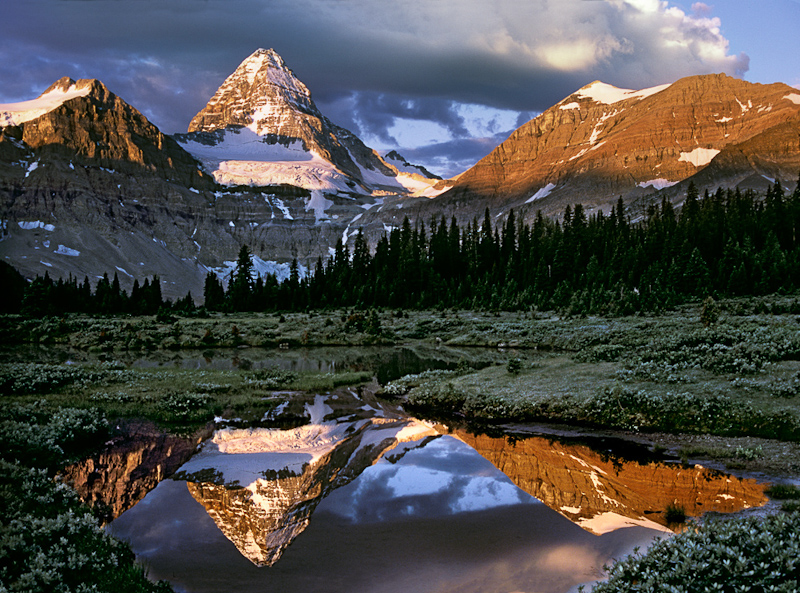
(185, 407)
(38, 436)
(675, 515)
(752, 554)
(783, 492)
(514, 366)
(50, 542)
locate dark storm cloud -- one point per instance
(371, 61)
(375, 113)
(450, 158)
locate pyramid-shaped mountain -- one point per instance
(262, 127)
(83, 122)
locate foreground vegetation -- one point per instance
(50, 541)
(760, 555)
(52, 415)
(729, 368)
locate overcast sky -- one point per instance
(443, 81)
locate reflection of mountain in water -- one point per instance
(601, 494)
(130, 466)
(260, 486)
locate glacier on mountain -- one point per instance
(601, 92)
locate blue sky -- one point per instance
(442, 81)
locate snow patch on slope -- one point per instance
(318, 174)
(35, 224)
(242, 157)
(793, 97)
(64, 250)
(318, 203)
(245, 145)
(260, 268)
(608, 522)
(542, 193)
(699, 157)
(658, 184)
(14, 114)
(607, 94)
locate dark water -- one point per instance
(441, 518)
(374, 501)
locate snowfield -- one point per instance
(14, 114)
(601, 92)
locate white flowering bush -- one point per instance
(759, 555)
(404, 384)
(38, 436)
(51, 543)
(38, 378)
(271, 378)
(184, 407)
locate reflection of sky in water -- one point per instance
(442, 478)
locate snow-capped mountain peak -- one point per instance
(262, 128)
(262, 94)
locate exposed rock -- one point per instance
(264, 96)
(601, 143)
(100, 129)
(88, 186)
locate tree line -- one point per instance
(44, 296)
(729, 243)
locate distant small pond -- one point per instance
(387, 362)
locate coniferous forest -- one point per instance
(723, 244)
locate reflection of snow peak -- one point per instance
(274, 479)
(608, 522)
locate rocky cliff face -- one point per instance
(601, 143)
(88, 186)
(96, 126)
(601, 494)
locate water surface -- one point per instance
(366, 499)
